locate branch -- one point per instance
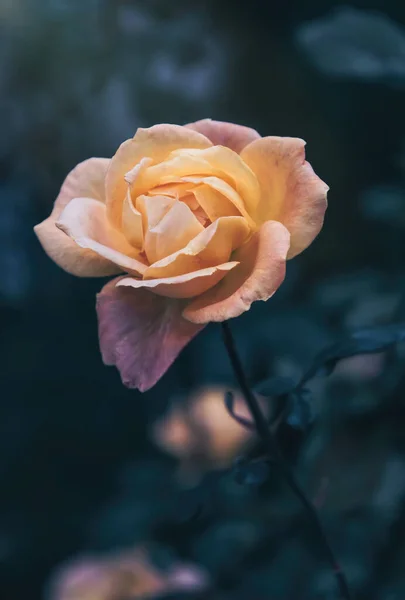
(268, 439)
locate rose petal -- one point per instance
(168, 225)
(132, 223)
(192, 202)
(227, 165)
(209, 248)
(260, 272)
(226, 190)
(183, 286)
(85, 221)
(141, 333)
(291, 192)
(134, 173)
(235, 137)
(153, 209)
(213, 203)
(175, 190)
(116, 181)
(155, 143)
(86, 180)
(172, 170)
(173, 232)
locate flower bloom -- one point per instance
(201, 220)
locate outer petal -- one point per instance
(183, 286)
(260, 272)
(291, 192)
(155, 143)
(209, 248)
(86, 180)
(85, 221)
(141, 333)
(221, 133)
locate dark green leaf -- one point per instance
(363, 341)
(251, 473)
(300, 414)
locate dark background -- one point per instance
(81, 469)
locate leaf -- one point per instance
(275, 386)
(355, 44)
(300, 414)
(229, 403)
(363, 341)
(251, 472)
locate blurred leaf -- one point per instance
(363, 341)
(384, 203)
(300, 414)
(250, 472)
(275, 386)
(355, 44)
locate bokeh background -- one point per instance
(108, 494)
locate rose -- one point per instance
(201, 218)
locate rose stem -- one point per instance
(269, 440)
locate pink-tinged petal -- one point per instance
(291, 192)
(174, 231)
(85, 221)
(141, 333)
(261, 271)
(86, 180)
(222, 133)
(154, 143)
(209, 248)
(182, 286)
(132, 223)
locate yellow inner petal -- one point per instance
(226, 190)
(132, 223)
(153, 209)
(228, 165)
(173, 231)
(209, 248)
(175, 190)
(177, 166)
(213, 203)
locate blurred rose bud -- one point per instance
(125, 575)
(201, 433)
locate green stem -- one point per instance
(268, 439)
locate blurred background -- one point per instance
(108, 494)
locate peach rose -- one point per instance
(201, 218)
